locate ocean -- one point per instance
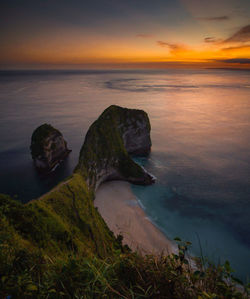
(200, 155)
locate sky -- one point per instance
(124, 33)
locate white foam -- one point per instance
(55, 167)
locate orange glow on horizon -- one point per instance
(122, 52)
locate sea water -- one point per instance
(200, 155)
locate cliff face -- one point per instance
(134, 127)
(48, 147)
(117, 133)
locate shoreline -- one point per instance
(123, 214)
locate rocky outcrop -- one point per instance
(135, 130)
(48, 147)
(109, 142)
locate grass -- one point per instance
(123, 274)
(63, 219)
(60, 247)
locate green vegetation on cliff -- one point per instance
(104, 156)
(58, 246)
(63, 219)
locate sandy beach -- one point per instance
(123, 215)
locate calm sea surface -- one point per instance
(200, 155)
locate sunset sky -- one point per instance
(124, 33)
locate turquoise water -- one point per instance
(200, 155)
(210, 226)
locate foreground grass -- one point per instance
(60, 247)
(124, 274)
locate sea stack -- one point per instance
(48, 147)
(111, 142)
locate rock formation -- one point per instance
(116, 134)
(48, 147)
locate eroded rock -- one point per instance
(48, 147)
(109, 143)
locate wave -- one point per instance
(142, 85)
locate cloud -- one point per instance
(236, 48)
(236, 60)
(144, 35)
(242, 35)
(219, 18)
(211, 40)
(236, 41)
(172, 47)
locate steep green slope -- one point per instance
(61, 221)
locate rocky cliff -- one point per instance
(48, 147)
(111, 139)
(64, 221)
